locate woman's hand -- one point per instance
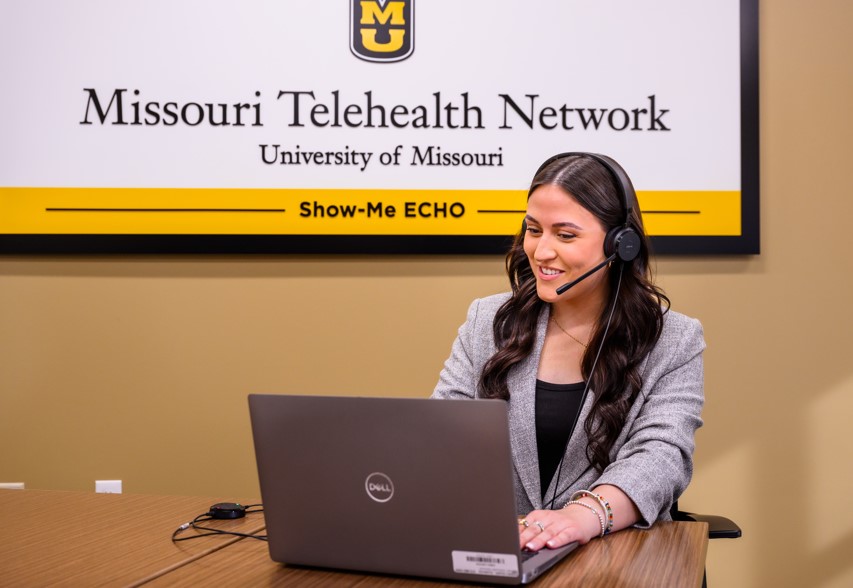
(555, 528)
(578, 522)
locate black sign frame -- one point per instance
(747, 243)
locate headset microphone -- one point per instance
(571, 284)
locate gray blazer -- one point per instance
(652, 460)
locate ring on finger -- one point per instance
(523, 522)
(540, 525)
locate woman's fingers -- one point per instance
(550, 529)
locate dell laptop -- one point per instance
(404, 486)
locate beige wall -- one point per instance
(138, 368)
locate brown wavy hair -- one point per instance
(637, 319)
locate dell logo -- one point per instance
(379, 487)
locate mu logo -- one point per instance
(382, 30)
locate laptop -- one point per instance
(402, 486)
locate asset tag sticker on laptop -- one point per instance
(485, 564)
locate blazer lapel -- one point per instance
(522, 416)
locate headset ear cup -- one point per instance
(610, 241)
(624, 242)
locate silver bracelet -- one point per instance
(593, 509)
(605, 506)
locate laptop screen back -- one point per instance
(402, 486)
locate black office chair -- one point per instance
(718, 528)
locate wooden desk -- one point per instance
(54, 538)
(670, 554)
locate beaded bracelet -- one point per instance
(602, 501)
(592, 508)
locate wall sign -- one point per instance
(364, 126)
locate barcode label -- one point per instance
(485, 564)
(482, 559)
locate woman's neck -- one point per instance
(578, 313)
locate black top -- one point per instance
(557, 409)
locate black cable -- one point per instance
(208, 516)
(586, 388)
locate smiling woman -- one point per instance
(585, 338)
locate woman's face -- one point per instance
(562, 242)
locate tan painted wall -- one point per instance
(138, 368)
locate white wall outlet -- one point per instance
(108, 486)
(11, 485)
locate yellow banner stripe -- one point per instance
(691, 213)
(243, 211)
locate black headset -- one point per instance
(621, 242)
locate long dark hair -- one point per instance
(636, 322)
